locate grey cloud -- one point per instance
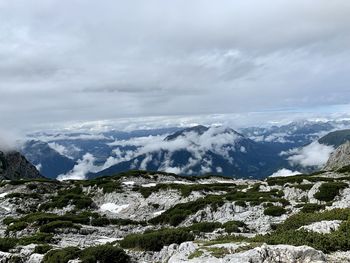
(79, 61)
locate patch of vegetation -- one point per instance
(38, 238)
(344, 169)
(234, 226)
(100, 221)
(328, 191)
(107, 184)
(154, 241)
(52, 226)
(7, 243)
(125, 222)
(42, 249)
(205, 227)
(310, 208)
(218, 252)
(104, 254)
(241, 203)
(297, 179)
(61, 255)
(23, 195)
(185, 189)
(17, 226)
(274, 211)
(196, 254)
(72, 196)
(175, 215)
(304, 187)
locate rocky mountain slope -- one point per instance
(13, 165)
(144, 216)
(339, 158)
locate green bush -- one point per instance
(274, 211)
(17, 226)
(328, 191)
(38, 238)
(101, 221)
(241, 203)
(104, 254)
(310, 208)
(42, 249)
(52, 226)
(7, 243)
(61, 255)
(72, 196)
(154, 241)
(177, 214)
(233, 226)
(205, 227)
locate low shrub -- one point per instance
(274, 211)
(61, 255)
(233, 226)
(42, 249)
(154, 241)
(52, 226)
(175, 215)
(205, 227)
(7, 243)
(310, 208)
(38, 238)
(328, 191)
(104, 254)
(100, 221)
(17, 226)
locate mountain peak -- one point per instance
(199, 129)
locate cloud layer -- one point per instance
(314, 154)
(82, 60)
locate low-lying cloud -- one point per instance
(284, 172)
(83, 167)
(314, 154)
(218, 140)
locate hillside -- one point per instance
(336, 138)
(147, 213)
(15, 166)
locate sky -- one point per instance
(77, 61)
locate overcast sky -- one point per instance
(74, 61)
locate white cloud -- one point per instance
(216, 139)
(314, 154)
(61, 149)
(83, 167)
(284, 172)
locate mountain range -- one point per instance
(248, 152)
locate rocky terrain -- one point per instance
(141, 216)
(13, 165)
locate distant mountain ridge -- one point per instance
(201, 150)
